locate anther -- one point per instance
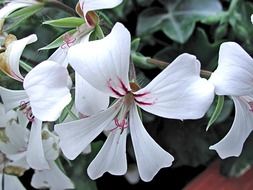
(68, 41)
(251, 106)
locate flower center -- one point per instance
(121, 120)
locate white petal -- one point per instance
(17, 134)
(46, 86)
(19, 160)
(50, 144)
(12, 98)
(232, 143)
(87, 150)
(35, 153)
(89, 100)
(22, 118)
(75, 136)
(6, 117)
(178, 91)
(107, 59)
(149, 155)
(54, 179)
(132, 175)
(112, 156)
(92, 5)
(60, 56)
(10, 182)
(18, 137)
(234, 74)
(14, 51)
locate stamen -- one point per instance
(29, 114)
(121, 125)
(251, 106)
(68, 41)
(23, 105)
(27, 110)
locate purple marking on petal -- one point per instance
(123, 86)
(144, 103)
(141, 95)
(116, 92)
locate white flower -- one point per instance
(16, 150)
(46, 94)
(11, 182)
(11, 57)
(6, 118)
(17, 166)
(14, 5)
(251, 18)
(14, 144)
(84, 92)
(8, 181)
(54, 179)
(234, 77)
(177, 92)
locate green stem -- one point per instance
(157, 62)
(59, 164)
(163, 64)
(71, 114)
(106, 18)
(99, 32)
(60, 5)
(25, 66)
(232, 6)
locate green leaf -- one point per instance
(19, 16)
(217, 111)
(187, 140)
(58, 41)
(150, 19)
(26, 11)
(145, 3)
(135, 44)
(25, 66)
(78, 173)
(205, 51)
(67, 111)
(141, 61)
(68, 22)
(239, 19)
(178, 18)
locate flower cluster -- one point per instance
(106, 99)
